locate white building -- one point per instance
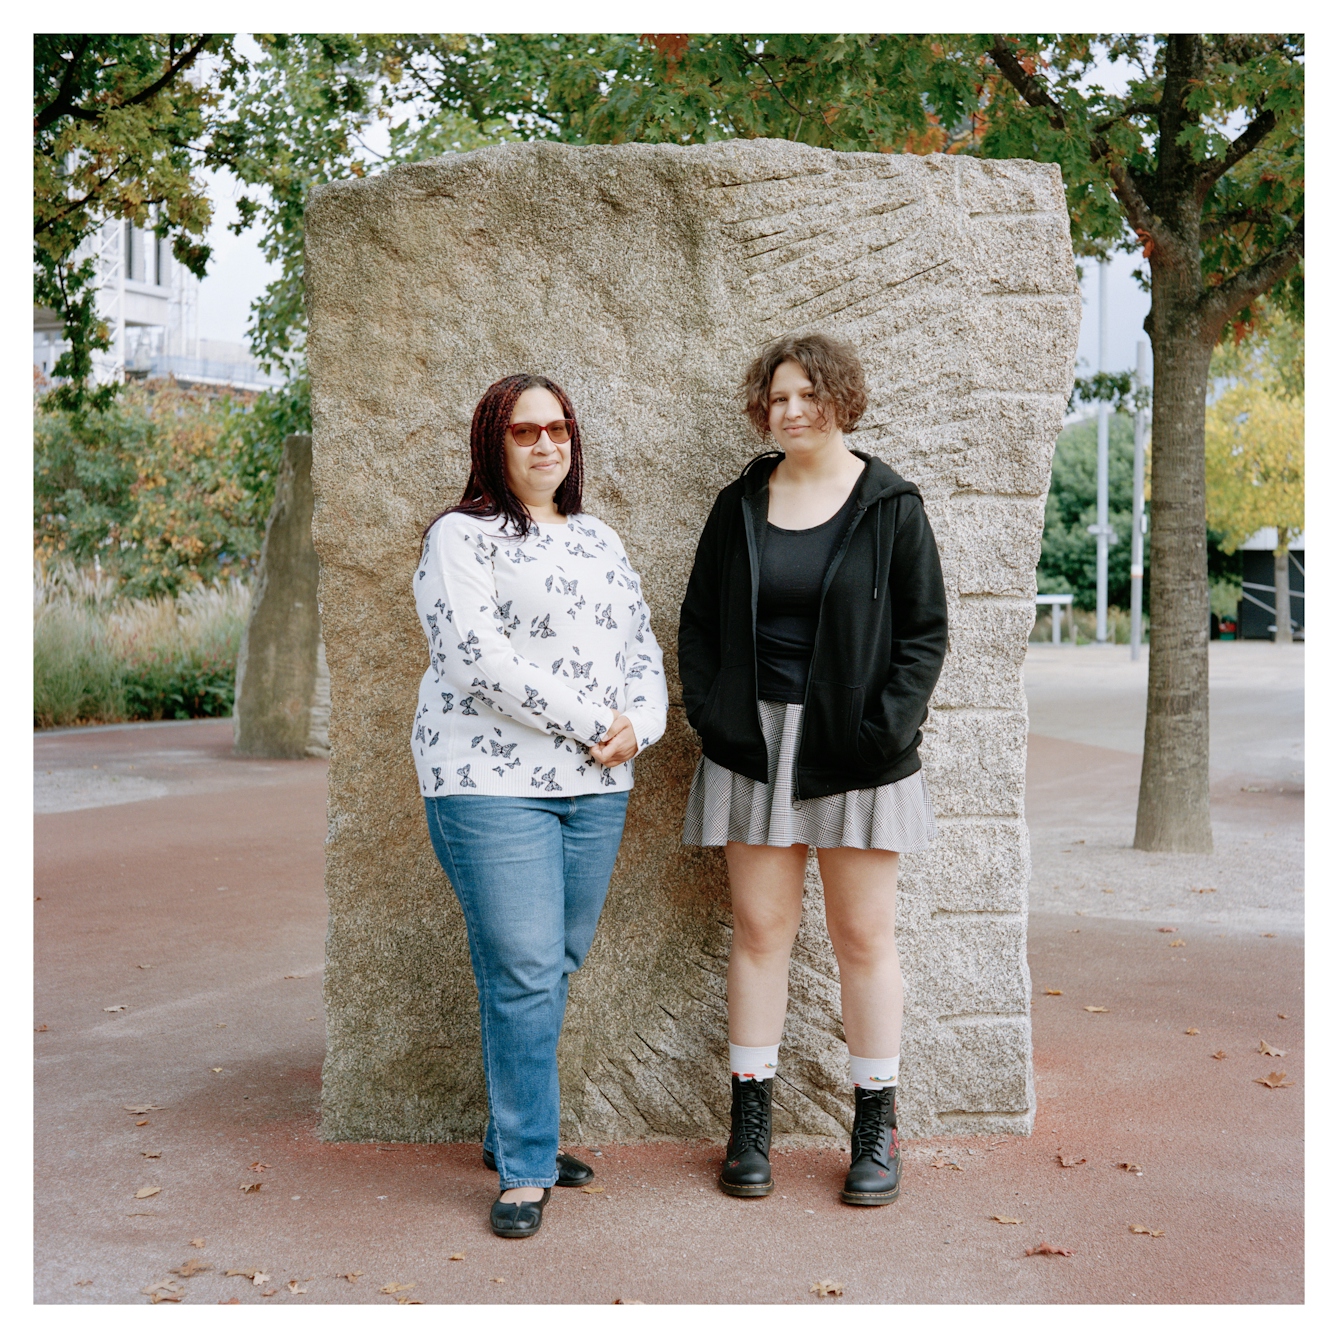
(150, 303)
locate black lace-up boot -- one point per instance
(747, 1171)
(875, 1151)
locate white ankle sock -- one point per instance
(874, 1073)
(753, 1061)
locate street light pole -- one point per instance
(1137, 516)
(1102, 465)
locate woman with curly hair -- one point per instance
(544, 682)
(811, 636)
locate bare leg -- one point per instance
(766, 886)
(860, 892)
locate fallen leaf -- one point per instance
(215, 1070)
(311, 1019)
(1131, 1166)
(1283, 1016)
(151, 1154)
(407, 1300)
(191, 1267)
(1109, 891)
(1046, 1248)
(232, 1300)
(272, 1291)
(1145, 1231)
(43, 1027)
(592, 1189)
(1191, 1031)
(1176, 943)
(629, 1301)
(84, 1282)
(1007, 1221)
(1075, 931)
(1274, 1080)
(139, 1124)
(392, 1287)
(942, 1163)
(1054, 991)
(220, 1024)
(258, 1166)
(197, 1243)
(115, 1008)
(143, 1110)
(456, 1257)
(351, 1277)
(1168, 929)
(240, 1272)
(1068, 1163)
(1268, 936)
(496, 1279)
(827, 1287)
(259, 1280)
(1094, 1008)
(295, 1289)
(252, 1188)
(1266, 1049)
(1202, 890)
(150, 1190)
(1220, 1054)
(145, 966)
(166, 1290)
(292, 977)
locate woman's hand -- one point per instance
(618, 745)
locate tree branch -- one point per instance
(1133, 109)
(1233, 218)
(64, 99)
(1221, 303)
(1033, 90)
(1246, 142)
(56, 110)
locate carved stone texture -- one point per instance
(282, 702)
(642, 278)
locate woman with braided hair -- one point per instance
(544, 681)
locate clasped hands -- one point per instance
(618, 745)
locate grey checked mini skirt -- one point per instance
(724, 806)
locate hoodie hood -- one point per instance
(879, 482)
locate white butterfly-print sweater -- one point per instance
(536, 644)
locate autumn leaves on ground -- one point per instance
(179, 1045)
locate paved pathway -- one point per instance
(199, 914)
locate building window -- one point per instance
(160, 261)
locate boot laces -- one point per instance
(871, 1121)
(752, 1114)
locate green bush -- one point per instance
(100, 658)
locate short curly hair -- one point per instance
(831, 364)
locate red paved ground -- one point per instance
(203, 914)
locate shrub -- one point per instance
(99, 657)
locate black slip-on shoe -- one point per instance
(518, 1219)
(571, 1173)
(875, 1150)
(746, 1173)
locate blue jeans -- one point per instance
(531, 875)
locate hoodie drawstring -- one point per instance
(877, 546)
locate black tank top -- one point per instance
(789, 592)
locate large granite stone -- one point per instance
(643, 278)
(282, 703)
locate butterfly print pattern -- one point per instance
(496, 715)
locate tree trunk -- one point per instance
(1173, 792)
(1282, 589)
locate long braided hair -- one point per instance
(487, 493)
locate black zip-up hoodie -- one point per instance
(882, 635)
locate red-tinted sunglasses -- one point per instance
(559, 431)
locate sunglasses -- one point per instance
(559, 431)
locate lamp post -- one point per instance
(1137, 517)
(1102, 527)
